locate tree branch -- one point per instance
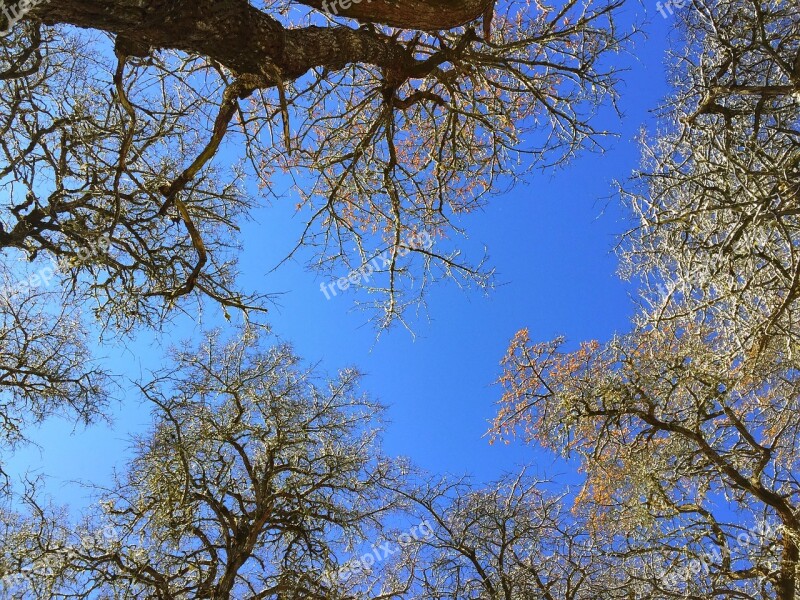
(244, 39)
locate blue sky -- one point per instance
(551, 243)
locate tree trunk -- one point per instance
(788, 575)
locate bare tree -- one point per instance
(719, 199)
(513, 539)
(684, 453)
(45, 365)
(254, 476)
(687, 427)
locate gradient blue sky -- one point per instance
(552, 245)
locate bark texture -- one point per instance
(247, 40)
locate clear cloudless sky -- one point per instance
(551, 242)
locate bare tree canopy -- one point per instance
(133, 131)
(718, 200)
(251, 470)
(680, 446)
(688, 426)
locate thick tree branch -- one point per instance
(231, 32)
(245, 39)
